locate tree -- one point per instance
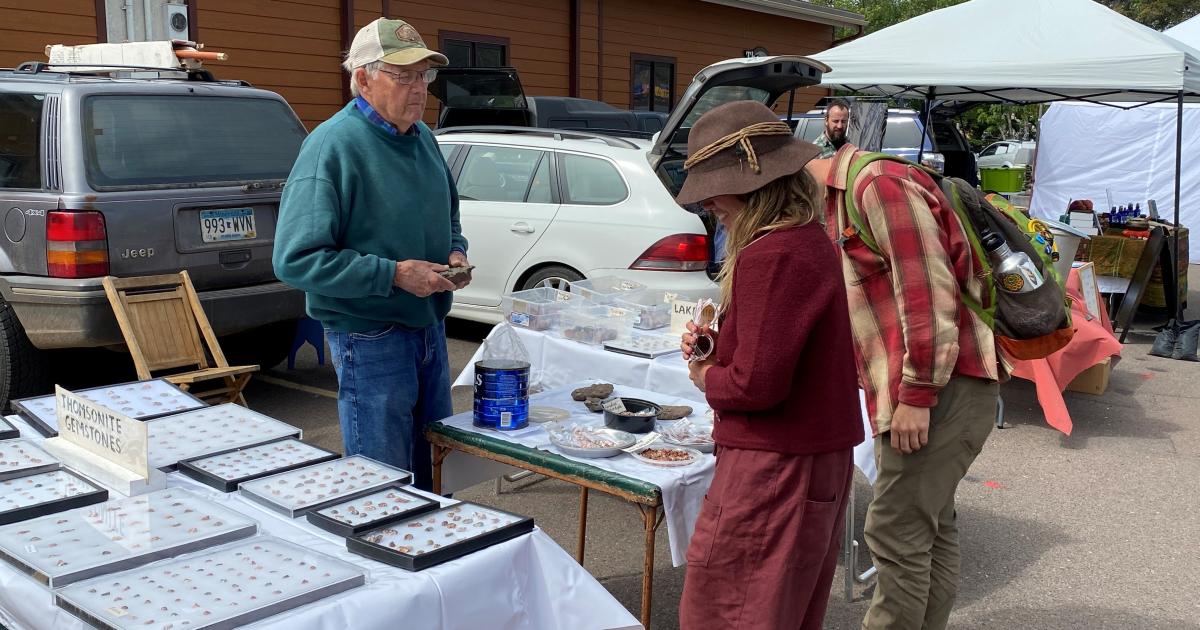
(990, 122)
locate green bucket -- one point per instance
(1002, 179)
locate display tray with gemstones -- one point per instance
(227, 470)
(8, 431)
(316, 487)
(141, 400)
(372, 511)
(67, 547)
(31, 496)
(436, 537)
(22, 457)
(227, 587)
(210, 431)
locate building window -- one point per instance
(477, 51)
(652, 83)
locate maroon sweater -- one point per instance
(785, 378)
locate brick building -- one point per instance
(630, 53)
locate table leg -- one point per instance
(651, 518)
(439, 456)
(583, 502)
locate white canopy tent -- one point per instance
(1089, 152)
(1027, 51)
(1046, 51)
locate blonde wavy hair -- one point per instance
(787, 202)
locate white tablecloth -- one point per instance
(557, 362)
(682, 488)
(527, 582)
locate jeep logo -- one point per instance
(145, 252)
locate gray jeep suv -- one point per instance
(137, 176)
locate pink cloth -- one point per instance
(1093, 343)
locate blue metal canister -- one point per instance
(501, 394)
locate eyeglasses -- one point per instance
(408, 77)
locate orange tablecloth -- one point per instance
(1093, 342)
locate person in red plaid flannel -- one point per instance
(929, 367)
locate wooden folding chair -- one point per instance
(162, 322)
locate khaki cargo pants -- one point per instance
(910, 526)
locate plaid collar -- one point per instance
(840, 167)
(375, 119)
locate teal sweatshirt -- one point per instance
(357, 201)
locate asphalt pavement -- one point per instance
(1096, 530)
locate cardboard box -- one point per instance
(1093, 380)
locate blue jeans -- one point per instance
(391, 383)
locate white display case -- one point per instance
(228, 587)
(227, 471)
(210, 431)
(63, 548)
(22, 457)
(315, 487)
(31, 496)
(140, 400)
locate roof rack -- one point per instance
(193, 74)
(557, 134)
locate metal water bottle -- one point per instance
(1012, 271)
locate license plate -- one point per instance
(227, 224)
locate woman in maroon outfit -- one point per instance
(782, 382)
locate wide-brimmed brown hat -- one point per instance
(737, 148)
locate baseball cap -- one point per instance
(390, 41)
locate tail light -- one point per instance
(76, 244)
(678, 252)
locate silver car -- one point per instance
(134, 177)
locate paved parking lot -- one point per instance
(1096, 530)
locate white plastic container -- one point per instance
(605, 289)
(651, 309)
(595, 325)
(537, 309)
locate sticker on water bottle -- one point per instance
(506, 420)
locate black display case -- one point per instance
(226, 471)
(372, 511)
(436, 537)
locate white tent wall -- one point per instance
(1085, 149)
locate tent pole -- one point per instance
(1178, 174)
(928, 131)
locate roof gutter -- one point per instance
(798, 9)
(849, 38)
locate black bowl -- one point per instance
(633, 424)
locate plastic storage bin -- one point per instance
(595, 325)
(651, 309)
(1002, 179)
(605, 289)
(537, 309)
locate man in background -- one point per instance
(837, 120)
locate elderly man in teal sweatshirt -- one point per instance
(368, 227)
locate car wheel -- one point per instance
(265, 346)
(23, 368)
(555, 277)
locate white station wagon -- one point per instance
(544, 207)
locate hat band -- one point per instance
(741, 138)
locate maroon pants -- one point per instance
(766, 543)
